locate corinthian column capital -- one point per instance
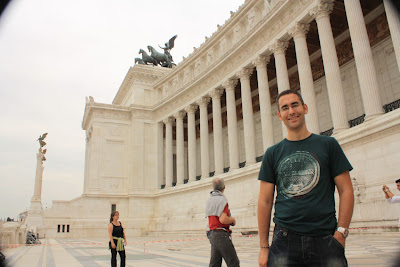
(279, 47)
(216, 93)
(230, 84)
(191, 108)
(203, 101)
(180, 115)
(168, 120)
(244, 73)
(299, 30)
(261, 61)
(323, 9)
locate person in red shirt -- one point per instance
(219, 221)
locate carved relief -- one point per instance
(359, 190)
(378, 29)
(345, 51)
(113, 115)
(209, 58)
(186, 75)
(197, 67)
(116, 131)
(142, 114)
(237, 32)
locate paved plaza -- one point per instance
(361, 250)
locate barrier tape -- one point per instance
(168, 241)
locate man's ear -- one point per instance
(279, 115)
(305, 108)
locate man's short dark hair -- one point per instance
(288, 92)
(218, 184)
(397, 181)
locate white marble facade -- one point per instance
(146, 151)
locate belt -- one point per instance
(221, 230)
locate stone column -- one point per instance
(160, 153)
(37, 193)
(180, 148)
(248, 118)
(267, 127)
(191, 109)
(282, 76)
(217, 126)
(34, 217)
(169, 169)
(331, 65)
(232, 124)
(364, 61)
(205, 164)
(298, 32)
(394, 26)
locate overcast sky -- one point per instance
(54, 53)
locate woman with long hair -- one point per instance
(117, 239)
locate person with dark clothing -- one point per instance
(117, 240)
(303, 169)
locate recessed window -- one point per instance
(67, 228)
(58, 228)
(113, 207)
(63, 228)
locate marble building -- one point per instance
(152, 152)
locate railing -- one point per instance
(327, 132)
(392, 106)
(357, 121)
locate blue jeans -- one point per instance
(293, 249)
(222, 247)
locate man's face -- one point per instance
(398, 186)
(291, 112)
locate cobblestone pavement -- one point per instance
(361, 250)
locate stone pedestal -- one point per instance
(34, 219)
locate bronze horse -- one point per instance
(145, 59)
(161, 58)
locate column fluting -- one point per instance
(191, 109)
(217, 128)
(248, 118)
(180, 148)
(331, 65)
(364, 62)
(204, 144)
(298, 32)
(232, 124)
(168, 152)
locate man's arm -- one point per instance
(265, 201)
(346, 203)
(387, 192)
(225, 219)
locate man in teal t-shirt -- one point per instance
(304, 168)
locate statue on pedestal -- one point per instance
(42, 144)
(157, 58)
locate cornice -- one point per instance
(95, 110)
(139, 74)
(253, 43)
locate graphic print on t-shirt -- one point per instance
(298, 174)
